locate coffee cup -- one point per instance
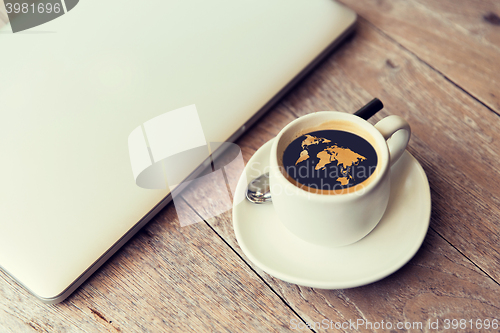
(341, 207)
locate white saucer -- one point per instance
(395, 240)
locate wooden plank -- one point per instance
(136, 291)
(166, 279)
(461, 39)
(454, 137)
(437, 284)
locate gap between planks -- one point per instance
(404, 49)
(440, 73)
(247, 264)
(463, 254)
(401, 46)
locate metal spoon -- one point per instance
(258, 190)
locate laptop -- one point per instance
(73, 89)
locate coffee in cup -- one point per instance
(330, 174)
(330, 161)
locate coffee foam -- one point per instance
(339, 125)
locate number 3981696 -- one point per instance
(32, 8)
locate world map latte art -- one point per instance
(329, 159)
(344, 157)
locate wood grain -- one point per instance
(437, 284)
(460, 39)
(434, 63)
(166, 279)
(454, 137)
(451, 130)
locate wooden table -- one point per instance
(437, 64)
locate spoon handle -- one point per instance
(373, 106)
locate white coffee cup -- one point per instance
(337, 219)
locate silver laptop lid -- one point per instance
(72, 91)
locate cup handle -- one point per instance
(397, 133)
